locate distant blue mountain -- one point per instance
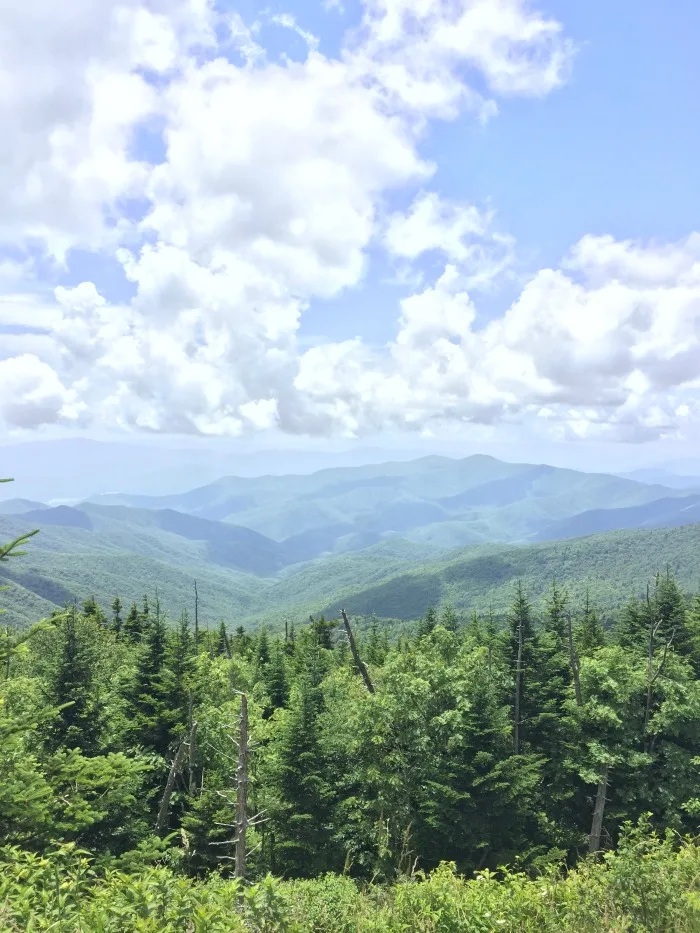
(661, 513)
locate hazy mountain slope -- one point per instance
(75, 468)
(20, 506)
(476, 499)
(661, 513)
(395, 579)
(663, 478)
(66, 563)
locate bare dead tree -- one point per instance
(359, 663)
(175, 769)
(599, 811)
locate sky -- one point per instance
(428, 224)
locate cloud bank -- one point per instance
(234, 188)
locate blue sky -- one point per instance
(393, 266)
(614, 151)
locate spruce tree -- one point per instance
(302, 812)
(427, 623)
(449, 619)
(522, 661)
(133, 625)
(223, 645)
(589, 634)
(73, 687)
(117, 616)
(150, 707)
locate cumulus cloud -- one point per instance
(272, 187)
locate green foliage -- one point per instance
(478, 746)
(650, 885)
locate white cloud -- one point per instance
(273, 188)
(462, 232)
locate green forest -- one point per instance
(534, 770)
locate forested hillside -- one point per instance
(179, 757)
(397, 579)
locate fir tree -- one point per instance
(117, 616)
(276, 683)
(427, 623)
(223, 646)
(73, 688)
(589, 634)
(150, 709)
(522, 660)
(302, 836)
(133, 625)
(449, 619)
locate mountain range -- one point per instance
(384, 537)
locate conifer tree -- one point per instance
(223, 645)
(522, 660)
(427, 623)
(133, 625)
(276, 683)
(150, 705)
(73, 687)
(301, 815)
(117, 616)
(448, 619)
(589, 633)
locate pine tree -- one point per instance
(427, 623)
(301, 816)
(180, 661)
(449, 619)
(589, 634)
(374, 651)
(116, 616)
(522, 658)
(73, 687)
(223, 646)
(150, 705)
(133, 625)
(262, 652)
(276, 683)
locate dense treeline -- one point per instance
(477, 745)
(526, 744)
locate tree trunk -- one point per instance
(359, 664)
(242, 792)
(599, 812)
(518, 690)
(175, 768)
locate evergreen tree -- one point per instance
(150, 707)
(374, 651)
(133, 625)
(522, 661)
(73, 688)
(179, 675)
(116, 616)
(276, 683)
(449, 620)
(223, 646)
(302, 811)
(589, 634)
(427, 623)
